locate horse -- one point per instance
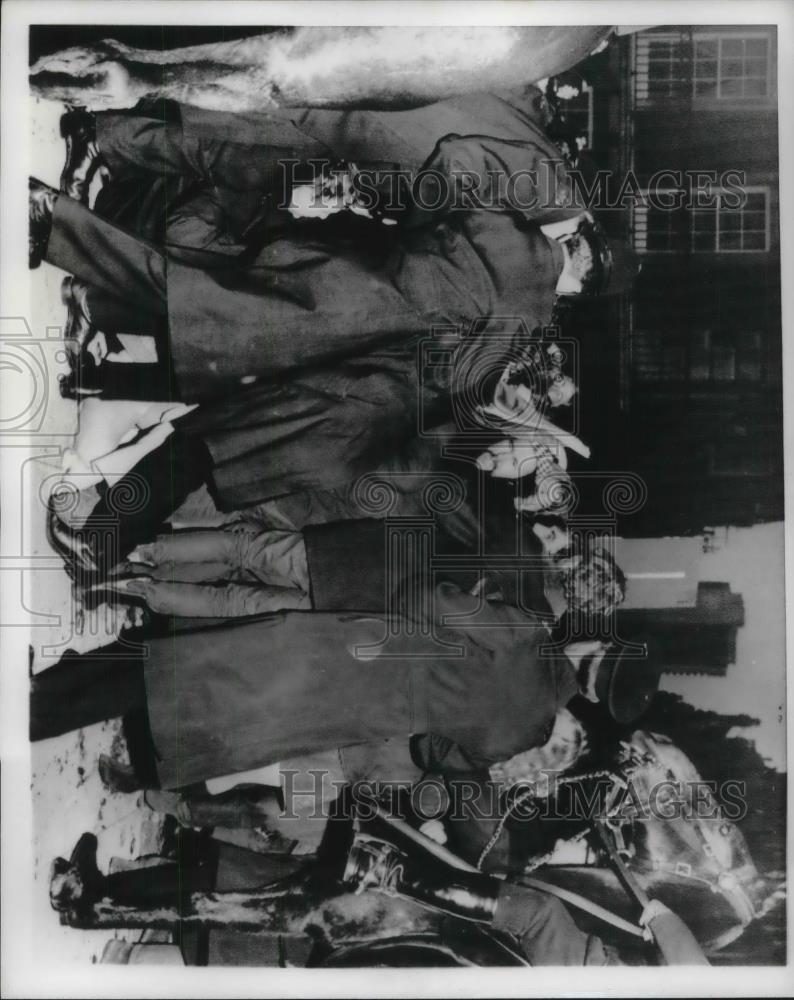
(692, 858)
(345, 67)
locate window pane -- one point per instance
(702, 242)
(730, 241)
(659, 49)
(755, 67)
(754, 241)
(732, 67)
(732, 46)
(755, 88)
(704, 222)
(730, 222)
(756, 202)
(706, 70)
(730, 88)
(756, 47)
(706, 88)
(754, 220)
(706, 49)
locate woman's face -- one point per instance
(506, 460)
(552, 538)
(561, 391)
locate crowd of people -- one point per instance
(342, 558)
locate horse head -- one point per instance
(685, 845)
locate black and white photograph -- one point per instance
(394, 539)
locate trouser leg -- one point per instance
(108, 258)
(133, 509)
(214, 548)
(234, 600)
(241, 153)
(83, 689)
(545, 930)
(275, 558)
(110, 314)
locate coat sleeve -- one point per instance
(492, 625)
(479, 172)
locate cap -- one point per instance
(628, 678)
(615, 264)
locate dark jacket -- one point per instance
(227, 699)
(304, 302)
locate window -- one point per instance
(661, 67)
(716, 229)
(728, 66)
(724, 230)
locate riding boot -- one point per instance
(376, 864)
(78, 129)
(41, 205)
(169, 884)
(163, 885)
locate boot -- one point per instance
(379, 865)
(78, 128)
(41, 203)
(77, 884)
(78, 317)
(76, 553)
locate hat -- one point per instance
(615, 264)
(628, 678)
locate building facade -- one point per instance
(684, 122)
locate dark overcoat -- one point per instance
(303, 303)
(231, 698)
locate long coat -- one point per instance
(232, 698)
(308, 299)
(304, 302)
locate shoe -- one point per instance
(77, 555)
(83, 861)
(78, 317)
(129, 567)
(78, 128)
(41, 202)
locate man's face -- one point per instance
(553, 539)
(561, 391)
(507, 460)
(331, 193)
